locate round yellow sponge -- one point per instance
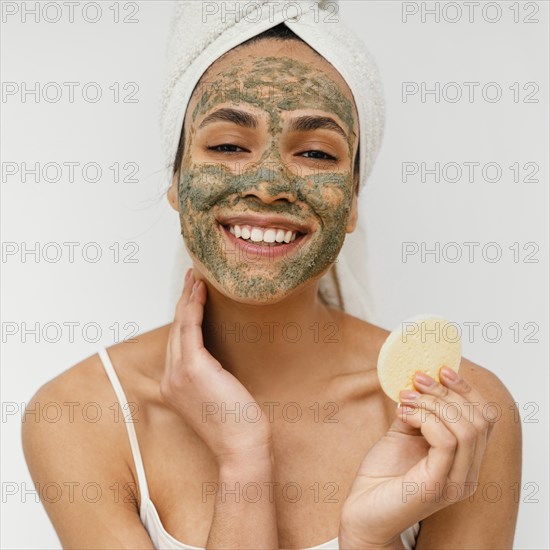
(422, 343)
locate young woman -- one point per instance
(268, 440)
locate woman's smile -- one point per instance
(265, 236)
(254, 241)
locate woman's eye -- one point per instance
(229, 148)
(326, 157)
(225, 148)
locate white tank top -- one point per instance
(148, 513)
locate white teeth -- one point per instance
(259, 234)
(269, 236)
(256, 235)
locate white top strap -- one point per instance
(123, 403)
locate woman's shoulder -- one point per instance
(68, 433)
(487, 383)
(88, 378)
(81, 400)
(361, 340)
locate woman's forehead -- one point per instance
(274, 76)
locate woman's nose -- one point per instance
(272, 186)
(266, 194)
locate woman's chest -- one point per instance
(317, 447)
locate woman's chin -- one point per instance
(255, 290)
(255, 295)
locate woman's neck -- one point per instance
(270, 345)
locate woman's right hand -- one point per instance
(197, 386)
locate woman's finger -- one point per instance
(459, 385)
(459, 405)
(472, 398)
(443, 444)
(191, 325)
(174, 352)
(483, 421)
(186, 293)
(464, 432)
(461, 400)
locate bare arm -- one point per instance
(244, 512)
(93, 505)
(243, 450)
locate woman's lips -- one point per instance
(251, 249)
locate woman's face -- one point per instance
(256, 171)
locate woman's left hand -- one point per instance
(429, 459)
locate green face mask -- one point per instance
(323, 196)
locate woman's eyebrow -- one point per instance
(305, 123)
(308, 123)
(227, 114)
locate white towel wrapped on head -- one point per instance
(203, 30)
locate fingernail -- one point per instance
(195, 286)
(450, 374)
(424, 379)
(408, 395)
(187, 274)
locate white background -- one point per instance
(144, 293)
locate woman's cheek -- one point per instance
(202, 186)
(329, 196)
